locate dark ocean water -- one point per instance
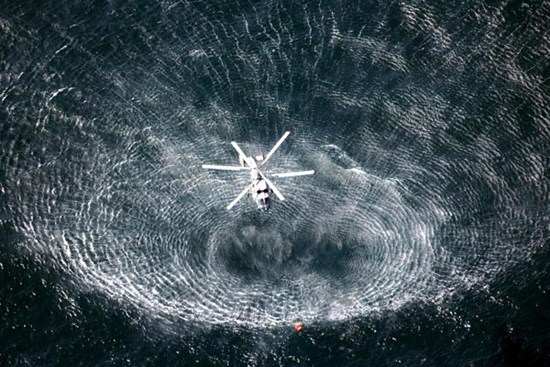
(422, 241)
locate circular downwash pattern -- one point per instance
(344, 243)
(433, 172)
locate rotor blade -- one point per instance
(238, 149)
(272, 187)
(275, 147)
(225, 168)
(239, 197)
(294, 174)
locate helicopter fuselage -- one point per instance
(260, 193)
(260, 189)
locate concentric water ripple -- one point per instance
(151, 229)
(428, 181)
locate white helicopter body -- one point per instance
(261, 186)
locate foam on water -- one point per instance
(150, 228)
(415, 199)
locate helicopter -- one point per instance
(260, 187)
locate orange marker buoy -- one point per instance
(298, 326)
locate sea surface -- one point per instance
(423, 239)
